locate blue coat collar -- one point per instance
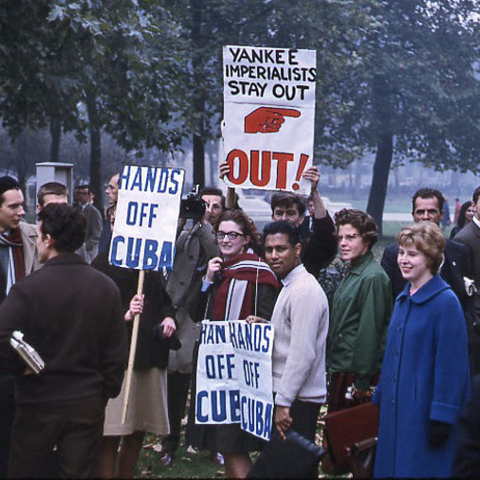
(432, 288)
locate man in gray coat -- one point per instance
(94, 221)
(194, 247)
(470, 236)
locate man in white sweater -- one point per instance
(300, 319)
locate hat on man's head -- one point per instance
(8, 183)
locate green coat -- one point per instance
(361, 311)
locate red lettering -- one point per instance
(255, 168)
(243, 166)
(283, 159)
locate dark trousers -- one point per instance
(304, 421)
(75, 427)
(178, 385)
(304, 418)
(7, 412)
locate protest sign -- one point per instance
(146, 217)
(269, 114)
(144, 233)
(234, 376)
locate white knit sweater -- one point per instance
(300, 319)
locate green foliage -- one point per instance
(409, 69)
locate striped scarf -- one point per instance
(235, 297)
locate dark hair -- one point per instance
(213, 191)
(476, 194)
(428, 193)
(66, 225)
(82, 187)
(362, 221)
(282, 226)
(462, 215)
(287, 199)
(50, 188)
(244, 222)
(7, 183)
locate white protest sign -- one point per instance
(253, 346)
(269, 114)
(234, 376)
(146, 217)
(217, 398)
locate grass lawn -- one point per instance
(188, 464)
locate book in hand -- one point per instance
(29, 355)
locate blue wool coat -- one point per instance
(424, 377)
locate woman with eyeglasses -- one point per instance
(236, 285)
(361, 311)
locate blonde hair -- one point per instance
(426, 237)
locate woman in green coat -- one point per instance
(361, 311)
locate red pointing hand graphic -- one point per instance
(268, 119)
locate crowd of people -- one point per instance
(403, 334)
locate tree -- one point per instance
(97, 65)
(36, 84)
(411, 88)
(211, 24)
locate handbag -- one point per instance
(361, 458)
(348, 426)
(295, 457)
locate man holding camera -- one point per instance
(194, 247)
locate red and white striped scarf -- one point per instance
(234, 298)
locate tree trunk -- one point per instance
(56, 132)
(381, 170)
(198, 96)
(95, 149)
(198, 161)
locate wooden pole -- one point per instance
(133, 348)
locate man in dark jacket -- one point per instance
(469, 236)
(72, 315)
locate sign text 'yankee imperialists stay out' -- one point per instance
(269, 98)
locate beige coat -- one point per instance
(29, 240)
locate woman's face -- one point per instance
(413, 264)
(229, 246)
(351, 243)
(469, 214)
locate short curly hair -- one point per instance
(245, 223)
(362, 221)
(426, 237)
(65, 224)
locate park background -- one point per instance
(103, 83)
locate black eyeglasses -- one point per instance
(230, 235)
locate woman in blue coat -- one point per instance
(425, 378)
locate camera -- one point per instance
(192, 207)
